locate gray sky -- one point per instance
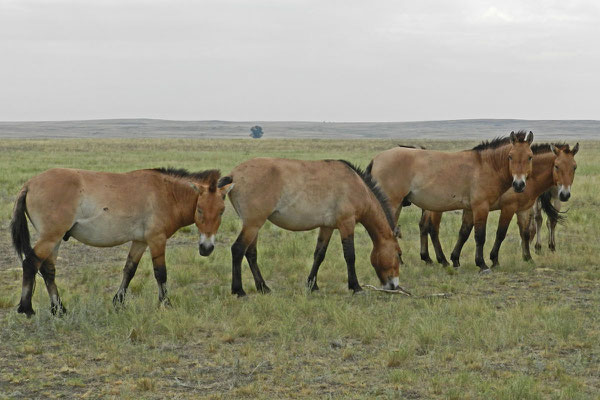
(299, 59)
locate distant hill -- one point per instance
(155, 128)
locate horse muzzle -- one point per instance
(518, 186)
(392, 284)
(564, 196)
(205, 249)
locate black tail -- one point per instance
(18, 227)
(553, 214)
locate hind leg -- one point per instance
(551, 222)
(434, 232)
(538, 227)
(48, 271)
(31, 265)
(524, 222)
(397, 230)
(423, 233)
(252, 257)
(238, 250)
(463, 235)
(133, 259)
(319, 255)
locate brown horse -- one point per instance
(303, 195)
(104, 209)
(550, 203)
(468, 180)
(553, 166)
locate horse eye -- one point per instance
(530, 158)
(222, 212)
(510, 158)
(199, 211)
(575, 167)
(556, 167)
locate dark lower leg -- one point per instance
(128, 274)
(479, 242)
(349, 256)
(30, 268)
(551, 228)
(48, 272)
(238, 250)
(437, 246)
(160, 273)
(500, 235)
(318, 257)
(423, 232)
(252, 256)
(463, 235)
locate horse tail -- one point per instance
(552, 213)
(18, 227)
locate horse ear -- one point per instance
(226, 189)
(197, 189)
(554, 149)
(530, 137)
(513, 138)
(575, 149)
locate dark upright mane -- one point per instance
(210, 176)
(500, 141)
(374, 187)
(539, 148)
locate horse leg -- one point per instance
(252, 256)
(506, 215)
(480, 214)
(347, 235)
(423, 231)
(434, 232)
(463, 235)
(31, 265)
(238, 250)
(397, 230)
(157, 247)
(538, 229)
(319, 256)
(551, 222)
(48, 271)
(133, 258)
(524, 222)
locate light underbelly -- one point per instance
(439, 201)
(294, 220)
(106, 231)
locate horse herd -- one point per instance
(146, 207)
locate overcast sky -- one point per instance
(299, 59)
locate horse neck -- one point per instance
(541, 175)
(498, 160)
(376, 223)
(184, 202)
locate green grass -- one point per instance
(526, 331)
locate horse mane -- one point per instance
(500, 141)
(546, 147)
(210, 176)
(408, 146)
(375, 189)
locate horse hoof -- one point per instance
(25, 310)
(57, 310)
(239, 293)
(552, 248)
(426, 258)
(485, 271)
(312, 286)
(264, 289)
(444, 262)
(165, 303)
(356, 289)
(495, 263)
(455, 263)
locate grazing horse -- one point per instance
(553, 167)
(303, 195)
(469, 180)
(103, 209)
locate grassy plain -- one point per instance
(526, 331)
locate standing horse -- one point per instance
(469, 180)
(303, 195)
(553, 166)
(550, 203)
(104, 209)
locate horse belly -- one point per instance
(103, 231)
(300, 220)
(439, 201)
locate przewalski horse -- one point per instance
(103, 209)
(469, 180)
(304, 195)
(553, 166)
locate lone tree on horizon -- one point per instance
(256, 132)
